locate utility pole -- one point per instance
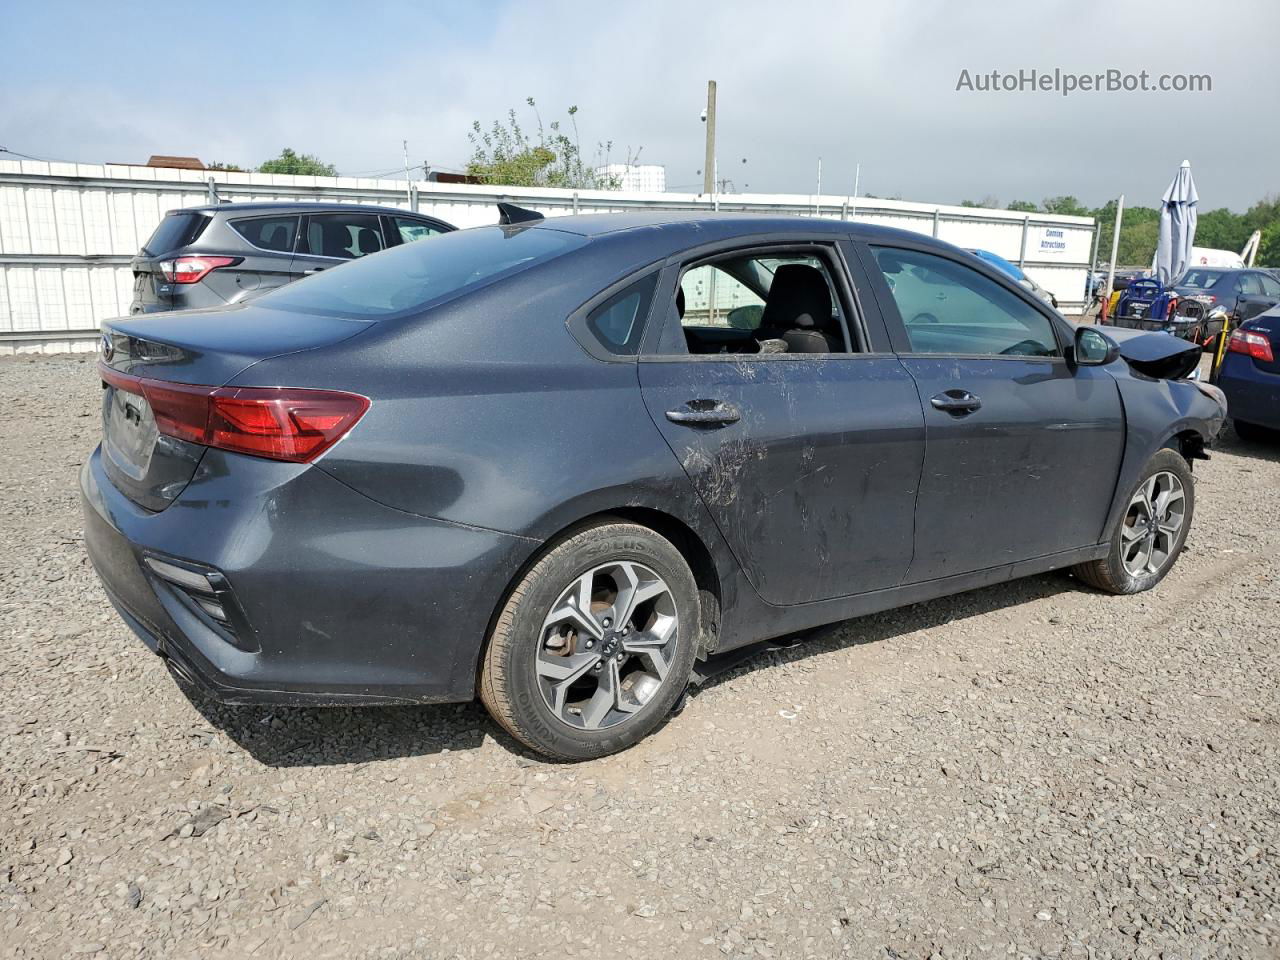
(1115, 247)
(817, 199)
(408, 183)
(709, 167)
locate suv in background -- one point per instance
(225, 253)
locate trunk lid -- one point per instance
(177, 229)
(204, 347)
(150, 291)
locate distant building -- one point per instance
(182, 163)
(637, 177)
(444, 176)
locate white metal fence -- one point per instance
(67, 230)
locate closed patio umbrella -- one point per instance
(1177, 226)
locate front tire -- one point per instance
(595, 644)
(1151, 532)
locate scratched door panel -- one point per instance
(814, 486)
(1029, 473)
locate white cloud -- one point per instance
(868, 82)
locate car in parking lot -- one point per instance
(1230, 296)
(216, 255)
(517, 462)
(1250, 377)
(1018, 274)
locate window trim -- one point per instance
(898, 328)
(297, 231)
(828, 248)
(582, 334)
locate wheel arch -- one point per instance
(1190, 443)
(687, 542)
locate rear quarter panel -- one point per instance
(487, 412)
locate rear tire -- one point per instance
(1253, 433)
(566, 680)
(1151, 531)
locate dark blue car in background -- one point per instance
(1250, 376)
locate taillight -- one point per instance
(193, 269)
(1251, 344)
(279, 423)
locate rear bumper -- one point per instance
(1253, 395)
(177, 297)
(339, 599)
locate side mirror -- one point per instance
(1093, 348)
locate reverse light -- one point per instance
(295, 425)
(193, 269)
(1251, 344)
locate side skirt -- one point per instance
(761, 628)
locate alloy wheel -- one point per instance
(1152, 524)
(607, 645)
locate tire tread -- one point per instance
(1108, 574)
(495, 687)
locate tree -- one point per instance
(506, 155)
(1221, 230)
(1067, 206)
(1023, 206)
(1269, 248)
(298, 164)
(229, 167)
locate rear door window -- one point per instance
(949, 308)
(1250, 284)
(268, 233)
(343, 236)
(174, 231)
(761, 303)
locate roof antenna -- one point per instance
(510, 213)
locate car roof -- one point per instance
(297, 206)
(1007, 266)
(691, 227)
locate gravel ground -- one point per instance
(1027, 770)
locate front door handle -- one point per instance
(958, 403)
(705, 413)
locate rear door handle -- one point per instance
(956, 402)
(705, 413)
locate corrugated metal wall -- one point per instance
(67, 230)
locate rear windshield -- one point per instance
(176, 230)
(409, 277)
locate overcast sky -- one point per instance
(852, 82)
